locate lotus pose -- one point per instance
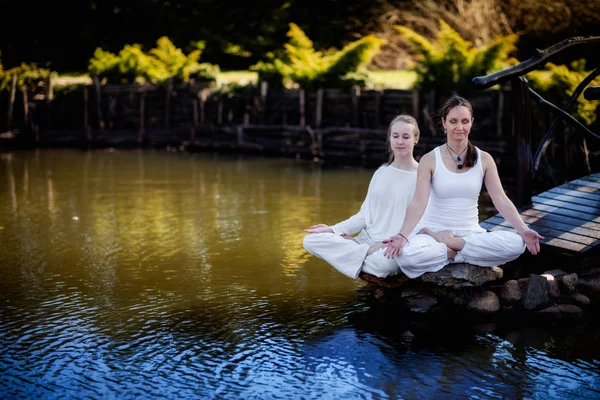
(381, 214)
(444, 209)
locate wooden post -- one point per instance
(264, 90)
(240, 135)
(500, 115)
(142, 124)
(49, 95)
(378, 96)
(86, 119)
(220, 111)
(25, 106)
(202, 108)
(247, 116)
(415, 103)
(319, 108)
(522, 132)
(11, 102)
(98, 102)
(168, 103)
(355, 99)
(302, 98)
(195, 115)
(112, 102)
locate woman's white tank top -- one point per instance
(453, 199)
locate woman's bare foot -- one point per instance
(451, 253)
(441, 236)
(376, 246)
(455, 243)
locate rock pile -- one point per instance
(554, 294)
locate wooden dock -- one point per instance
(568, 216)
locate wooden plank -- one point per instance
(591, 178)
(553, 242)
(558, 226)
(548, 230)
(575, 193)
(595, 211)
(560, 218)
(566, 212)
(582, 182)
(590, 246)
(580, 188)
(567, 198)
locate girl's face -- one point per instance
(402, 139)
(458, 123)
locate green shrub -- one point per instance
(300, 63)
(163, 62)
(29, 77)
(557, 83)
(449, 62)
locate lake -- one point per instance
(151, 274)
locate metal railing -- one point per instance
(528, 164)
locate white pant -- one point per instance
(350, 257)
(485, 249)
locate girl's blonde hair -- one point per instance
(407, 119)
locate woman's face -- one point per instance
(458, 123)
(402, 139)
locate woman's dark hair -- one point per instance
(407, 119)
(455, 101)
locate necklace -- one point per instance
(458, 159)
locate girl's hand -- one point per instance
(532, 240)
(395, 244)
(320, 228)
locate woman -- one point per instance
(381, 214)
(449, 178)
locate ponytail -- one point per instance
(471, 156)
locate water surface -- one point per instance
(147, 274)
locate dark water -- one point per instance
(133, 274)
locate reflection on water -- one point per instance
(147, 274)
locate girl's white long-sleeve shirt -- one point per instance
(382, 213)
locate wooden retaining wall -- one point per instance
(348, 125)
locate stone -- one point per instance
(581, 299)
(411, 291)
(568, 283)
(553, 289)
(589, 284)
(561, 311)
(462, 275)
(421, 304)
(556, 273)
(485, 302)
(523, 284)
(391, 282)
(537, 293)
(510, 292)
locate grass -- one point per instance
(382, 79)
(393, 79)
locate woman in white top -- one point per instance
(449, 179)
(381, 214)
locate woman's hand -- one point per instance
(395, 244)
(532, 240)
(320, 228)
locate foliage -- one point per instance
(557, 83)
(300, 63)
(29, 77)
(161, 63)
(449, 62)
